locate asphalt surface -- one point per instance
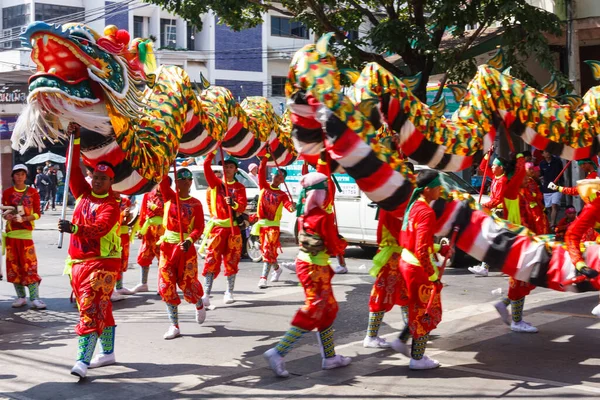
(222, 358)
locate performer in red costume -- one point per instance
(124, 207)
(151, 229)
(496, 202)
(589, 218)
(565, 222)
(588, 166)
(533, 202)
(389, 288)
(271, 202)
(418, 270)
(21, 260)
(314, 272)
(221, 241)
(178, 264)
(94, 260)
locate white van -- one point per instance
(355, 211)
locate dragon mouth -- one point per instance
(61, 66)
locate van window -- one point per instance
(452, 181)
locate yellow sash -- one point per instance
(24, 234)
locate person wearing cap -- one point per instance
(315, 274)
(418, 269)
(222, 238)
(271, 202)
(151, 222)
(178, 263)
(94, 260)
(589, 218)
(124, 219)
(254, 172)
(588, 166)
(496, 202)
(21, 260)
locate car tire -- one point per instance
(253, 248)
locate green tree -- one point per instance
(413, 29)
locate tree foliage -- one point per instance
(416, 30)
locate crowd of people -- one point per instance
(171, 221)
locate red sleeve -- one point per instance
(570, 191)
(333, 243)
(167, 193)
(288, 203)
(77, 182)
(198, 227)
(578, 228)
(484, 162)
(497, 194)
(107, 217)
(262, 174)
(35, 199)
(514, 184)
(144, 209)
(562, 225)
(211, 178)
(424, 231)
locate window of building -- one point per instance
(281, 26)
(138, 26)
(168, 33)
(53, 12)
(14, 21)
(278, 86)
(352, 35)
(191, 37)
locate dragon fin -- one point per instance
(351, 74)
(323, 44)
(459, 92)
(498, 61)
(573, 100)
(412, 82)
(439, 107)
(551, 88)
(595, 66)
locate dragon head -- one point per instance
(82, 77)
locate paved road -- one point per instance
(222, 358)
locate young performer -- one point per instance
(94, 260)
(588, 219)
(178, 264)
(21, 260)
(270, 204)
(125, 215)
(151, 222)
(389, 288)
(221, 241)
(315, 274)
(418, 270)
(533, 202)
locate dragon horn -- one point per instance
(323, 44)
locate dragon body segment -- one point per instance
(134, 115)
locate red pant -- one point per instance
(419, 290)
(125, 244)
(177, 268)
(222, 245)
(21, 262)
(269, 243)
(149, 247)
(93, 282)
(389, 288)
(518, 289)
(320, 308)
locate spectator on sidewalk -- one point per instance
(42, 184)
(551, 167)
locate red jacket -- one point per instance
(30, 203)
(270, 200)
(321, 222)
(191, 215)
(588, 219)
(418, 236)
(215, 196)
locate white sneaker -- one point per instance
(206, 300)
(276, 362)
(423, 363)
(340, 269)
(79, 369)
(228, 298)
(125, 291)
(400, 347)
(19, 302)
(596, 311)
(101, 360)
(523, 327)
(375, 342)
(479, 270)
(290, 266)
(276, 274)
(262, 283)
(115, 296)
(201, 315)
(336, 361)
(141, 287)
(503, 311)
(172, 333)
(38, 304)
